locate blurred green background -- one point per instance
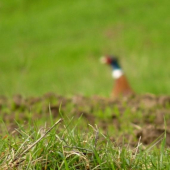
(55, 46)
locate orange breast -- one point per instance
(121, 87)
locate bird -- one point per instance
(121, 86)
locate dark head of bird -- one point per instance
(112, 61)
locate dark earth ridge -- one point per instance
(145, 115)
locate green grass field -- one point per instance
(56, 46)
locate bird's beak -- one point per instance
(103, 60)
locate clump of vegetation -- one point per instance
(63, 146)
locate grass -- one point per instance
(87, 135)
(55, 46)
(65, 147)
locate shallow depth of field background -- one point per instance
(55, 46)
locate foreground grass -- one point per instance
(63, 146)
(90, 132)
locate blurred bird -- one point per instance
(121, 86)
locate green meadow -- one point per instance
(56, 45)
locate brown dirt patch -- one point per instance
(145, 114)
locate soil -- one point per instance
(144, 115)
